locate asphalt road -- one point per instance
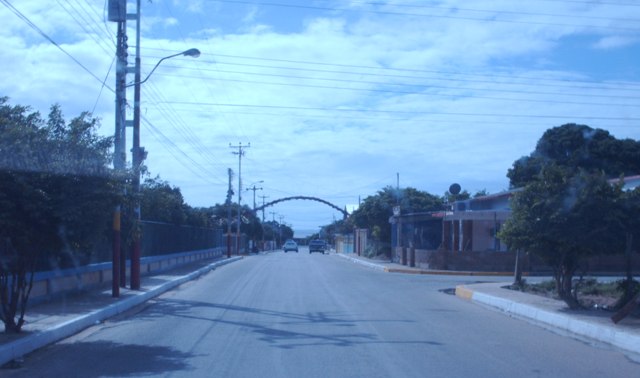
(302, 315)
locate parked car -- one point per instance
(317, 246)
(290, 245)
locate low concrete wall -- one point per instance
(51, 284)
(490, 261)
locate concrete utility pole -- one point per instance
(118, 13)
(137, 156)
(229, 196)
(254, 188)
(262, 223)
(263, 198)
(273, 231)
(240, 154)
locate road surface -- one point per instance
(313, 315)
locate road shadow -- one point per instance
(102, 358)
(280, 329)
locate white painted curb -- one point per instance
(603, 333)
(361, 262)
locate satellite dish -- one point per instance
(455, 189)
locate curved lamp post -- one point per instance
(139, 154)
(191, 52)
(118, 13)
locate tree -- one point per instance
(568, 172)
(578, 146)
(161, 202)
(342, 226)
(630, 227)
(564, 218)
(56, 198)
(278, 232)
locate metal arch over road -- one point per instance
(345, 214)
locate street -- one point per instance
(314, 315)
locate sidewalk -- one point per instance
(595, 325)
(50, 322)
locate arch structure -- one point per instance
(345, 214)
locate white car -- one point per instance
(290, 245)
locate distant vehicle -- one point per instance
(317, 246)
(290, 245)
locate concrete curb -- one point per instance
(30, 343)
(361, 262)
(446, 272)
(600, 332)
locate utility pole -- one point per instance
(263, 198)
(137, 155)
(280, 227)
(229, 195)
(254, 195)
(240, 154)
(118, 13)
(273, 232)
(262, 224)
(254, 188)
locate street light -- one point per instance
(139, 154)
(191, 52)
(118, 13)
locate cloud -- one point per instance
(615, 42)
(192, 6)
(251, 15)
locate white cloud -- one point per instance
(615, 42)
(193, 6)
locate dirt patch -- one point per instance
(591, 293)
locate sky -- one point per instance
(334, 99)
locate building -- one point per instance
(472, 225)
(465, 236)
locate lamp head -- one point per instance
(192, 52)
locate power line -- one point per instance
(45, 36)
(412, 77)
(430, 112)
(180, 155)
(237, 128)
(494, 11)
(456, 96)
(343, 117)
(414, 84)
(332, 9)
(170, 116)
(409, 70)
